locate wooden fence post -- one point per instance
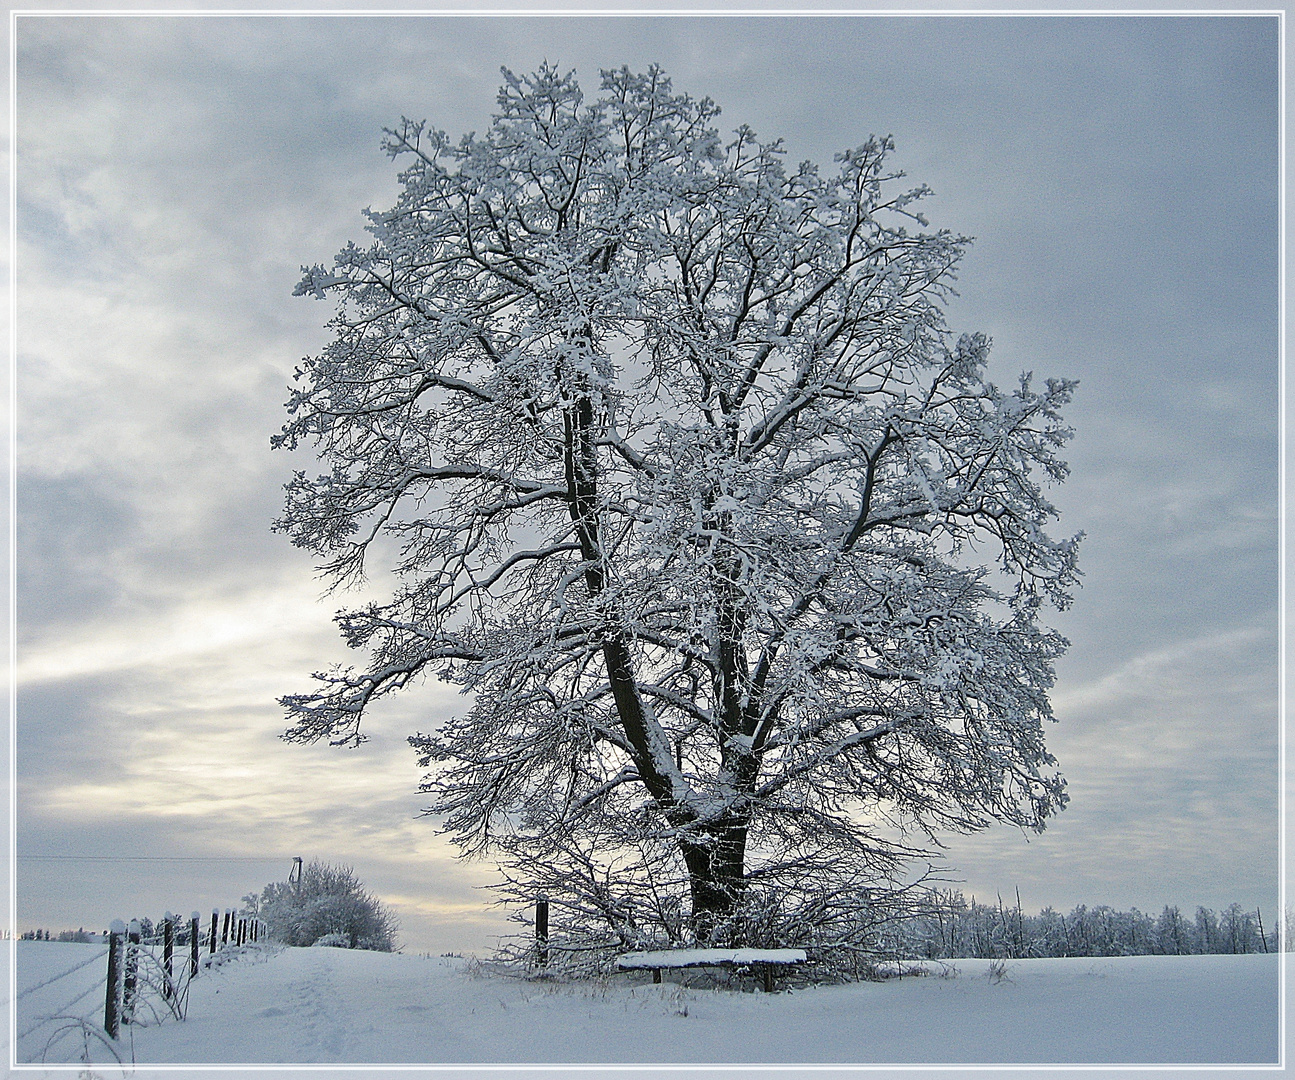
(194, 919)
(224, 928)
(542, 931)
(215, 922)
(132, 972)
(168, 954)
(111, 1016)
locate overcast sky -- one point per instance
(1120, 176)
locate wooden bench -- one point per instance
(765, 961)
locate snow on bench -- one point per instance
(763, 960)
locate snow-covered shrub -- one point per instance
(844, 919)
(328, 902)
(333, 941)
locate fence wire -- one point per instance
(61, 975)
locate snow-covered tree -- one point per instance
(737, 550)
(1173, 933)
(328, 902)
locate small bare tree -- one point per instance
(691, 490)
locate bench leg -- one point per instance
(656, 975)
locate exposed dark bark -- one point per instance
(716, 871)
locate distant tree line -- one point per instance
(950, 925)
(63, 935)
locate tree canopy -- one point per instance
(736, 550)
(328, 903)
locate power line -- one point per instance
(163, 858)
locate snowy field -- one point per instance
(335, 1006)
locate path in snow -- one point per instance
(335, 1006)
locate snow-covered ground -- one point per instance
(336, 1006)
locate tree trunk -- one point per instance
(716, 872)
(714, 854)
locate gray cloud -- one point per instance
(1172, 757)
(64, 528)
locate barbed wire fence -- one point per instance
(140, 979)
